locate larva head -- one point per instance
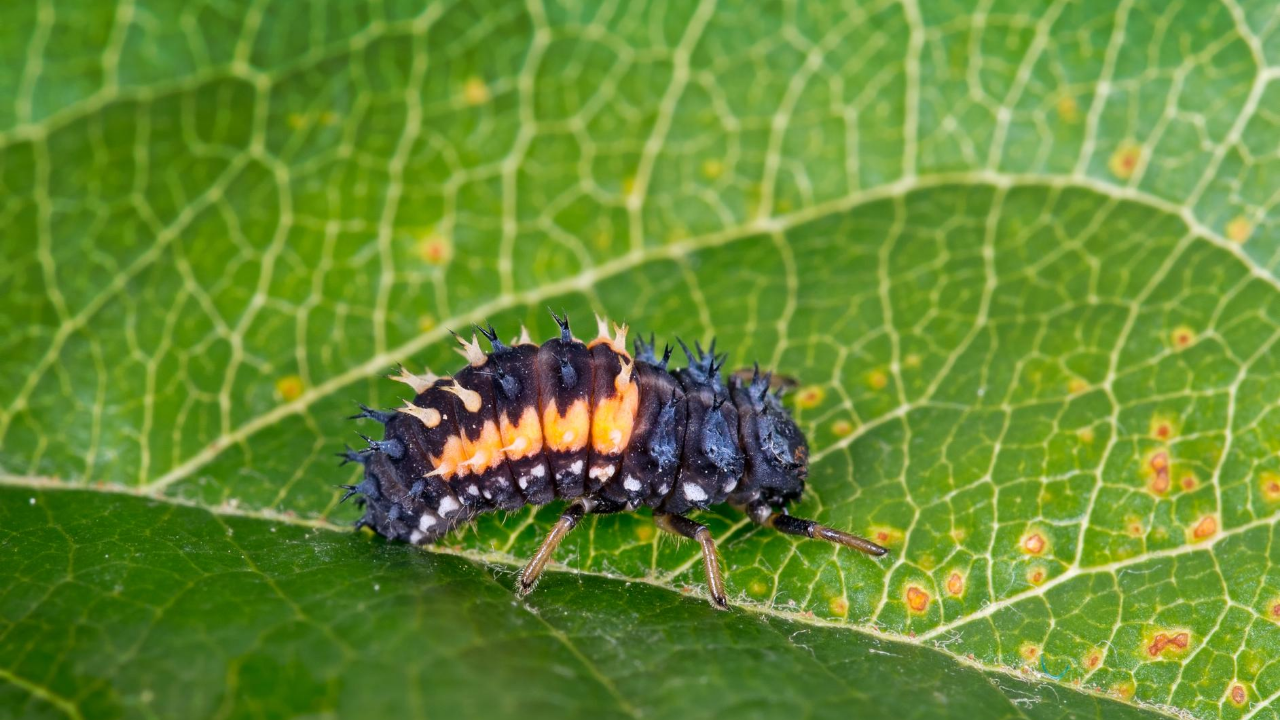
(776, 449)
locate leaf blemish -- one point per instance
(1125, 159)
(955, 584)
(1172, 641)
(1239, 230)
(475, 91)
(289, 387)
(810, 396)
(1158, 465)
(1033, 544)
(1182, 337)
(1271, 487)
(842, 428)
(917, 599)
(1238, 695)
(1036, 575)
(434, 248)
(1205, 528)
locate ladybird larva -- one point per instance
(526, 424)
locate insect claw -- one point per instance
(565, 334)
(350, 490)
(393, 447)
(495, 345)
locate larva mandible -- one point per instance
(587, 423)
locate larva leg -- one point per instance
(533, 570)
(684, 527)
(808, 528)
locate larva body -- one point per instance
(588, 423)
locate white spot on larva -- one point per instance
(602, 473)
(473, 490)
(615, 437)
(539, 471)
(426, 521)
(729, 486)
(524, 482)
(576, 467)
(664, 488)
(488, 495)
(568, 436)
(447, 505)
(694, 493)
(415, 536)
(631, 484)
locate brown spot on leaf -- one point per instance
(1182, 337)
(809, 397)
(1271, 487)
(842, 428)
(1033, 544)
(838, 606)
(917, 599)
(1238, 694)
(1166, 641)
(1239, 229)
(1035, 575)
(955, 584)
(1093, 660)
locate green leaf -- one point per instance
(1021, 258)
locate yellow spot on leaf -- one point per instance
(1125, 159)
(290, 387)
(810, 396)
(1163, 427)
(712, 168)
(912, 360)
(842, 428)
(297, 121)
(1068, 109)
(955, 584)
(1086, 435)
(1239, 230)
(839, 606)
(1182, 336)
(1077, 386)
(475, 91)
(1092, 660)
(1036, 575)
(329, 118)
(886, 536)
(426, 322)
(1271, 487)
(434, 248)
(644, 532)
(757, 588)
(1029, 652)
(1123, 690)
(877, 380)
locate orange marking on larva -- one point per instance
(1125, 159)
(955, 584)
(1271, 487)
(484, 453)
(569, 432)
(1033, 544)
(614, 418)
(917, 599)
(453, 453)
(523, 438)
(1238, 695)
(1207, 526)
